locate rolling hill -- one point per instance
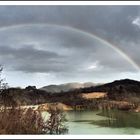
(66, 87)
(117, 90)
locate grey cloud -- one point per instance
(36, 48)
(113, 23)
(81, 51)
(29, 59)
(83, 48)
(89, 18)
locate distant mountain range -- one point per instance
(117, 90)
(67, 87)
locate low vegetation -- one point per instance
(28, 121)
(17, 120)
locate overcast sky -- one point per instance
(42, 45)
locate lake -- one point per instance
(102, 122)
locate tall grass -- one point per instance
(28, 121)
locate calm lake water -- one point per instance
(97, 122)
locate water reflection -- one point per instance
(103, 122)
(118, 119)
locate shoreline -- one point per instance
(104, 105)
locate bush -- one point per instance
(15, 120)
(56, 122)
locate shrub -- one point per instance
(15, 120)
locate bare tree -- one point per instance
(56, 122)
(3, 85)
(1, 80)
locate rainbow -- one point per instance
(91, 35)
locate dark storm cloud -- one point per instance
(102, 20)
(37, 48)
(29, 59)
(113, 23)
(58, 50)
